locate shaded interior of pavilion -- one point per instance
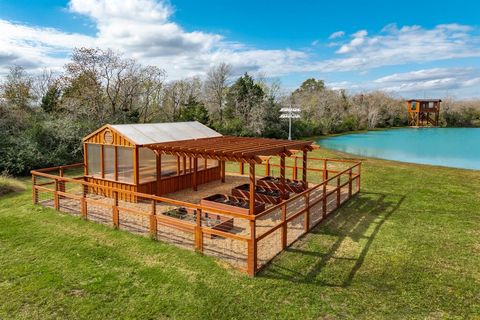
(248, 153)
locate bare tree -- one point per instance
(120, 85)
(17, 91)
(179, 93)
(216, 86)
(42, 82)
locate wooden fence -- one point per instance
(245, 241)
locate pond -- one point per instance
(451, 147)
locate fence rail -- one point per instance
(248, 242)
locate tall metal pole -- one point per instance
(289, 113)
(290, 127)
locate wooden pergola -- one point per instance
(237, 149)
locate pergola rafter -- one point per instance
(238, 149)
(227, 148)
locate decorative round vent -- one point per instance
(108, 137)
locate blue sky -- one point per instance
(409, 48)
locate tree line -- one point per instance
(43, 117)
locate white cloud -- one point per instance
(408, 44)
(431, 80)
(141, 29)
(337, 34)
(358, 39)
(425, 75)
(35, 47)
(144, 29)
(341, 85)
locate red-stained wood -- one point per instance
(304, 168)
(56, 198)
(252, 188)
(158, 182)
(338, 191)
(222, 172)
(34, 191)
(284, 226)
(178, 166)
(287, 214)
(252, 250)
(115, 213)
(198, 231)
(282, 176)
(102, 162)
(85, 159)
(115, 162)
(153, 220)
(195, 172)
(306, 225)
(136, 175)
(226, 147)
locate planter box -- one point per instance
(231, 203)
(295, 186)
(210, 220)
(262, 194)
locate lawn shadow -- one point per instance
(322, 257)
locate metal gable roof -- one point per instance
(148, 133)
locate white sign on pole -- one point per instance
(290, 113)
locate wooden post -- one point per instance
(325, 172)
(198, 231)
(115, 163)
(242, 168)
(178, 166)
(349, 183)
(324, 200)
(115, 213)
(282, 176)
(222, 168)
(85, 159)
(102, 162)
(61, 186)
(252, 251)
(295, 169)
(56, 200)
(338, 191)
(159, 173)
(135, 166)
(83, 203)
(359, 175)
(252, 188)
(307, 212)
(184, 165)
(153, 220)
(34, 190)
(304, 168)
(195, 169)
(267, 167)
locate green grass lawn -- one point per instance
(408, 246)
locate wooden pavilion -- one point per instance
(168, 181)
(162, 158)
(423, 112)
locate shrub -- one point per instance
(9, 185)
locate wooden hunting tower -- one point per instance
(423, 112)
